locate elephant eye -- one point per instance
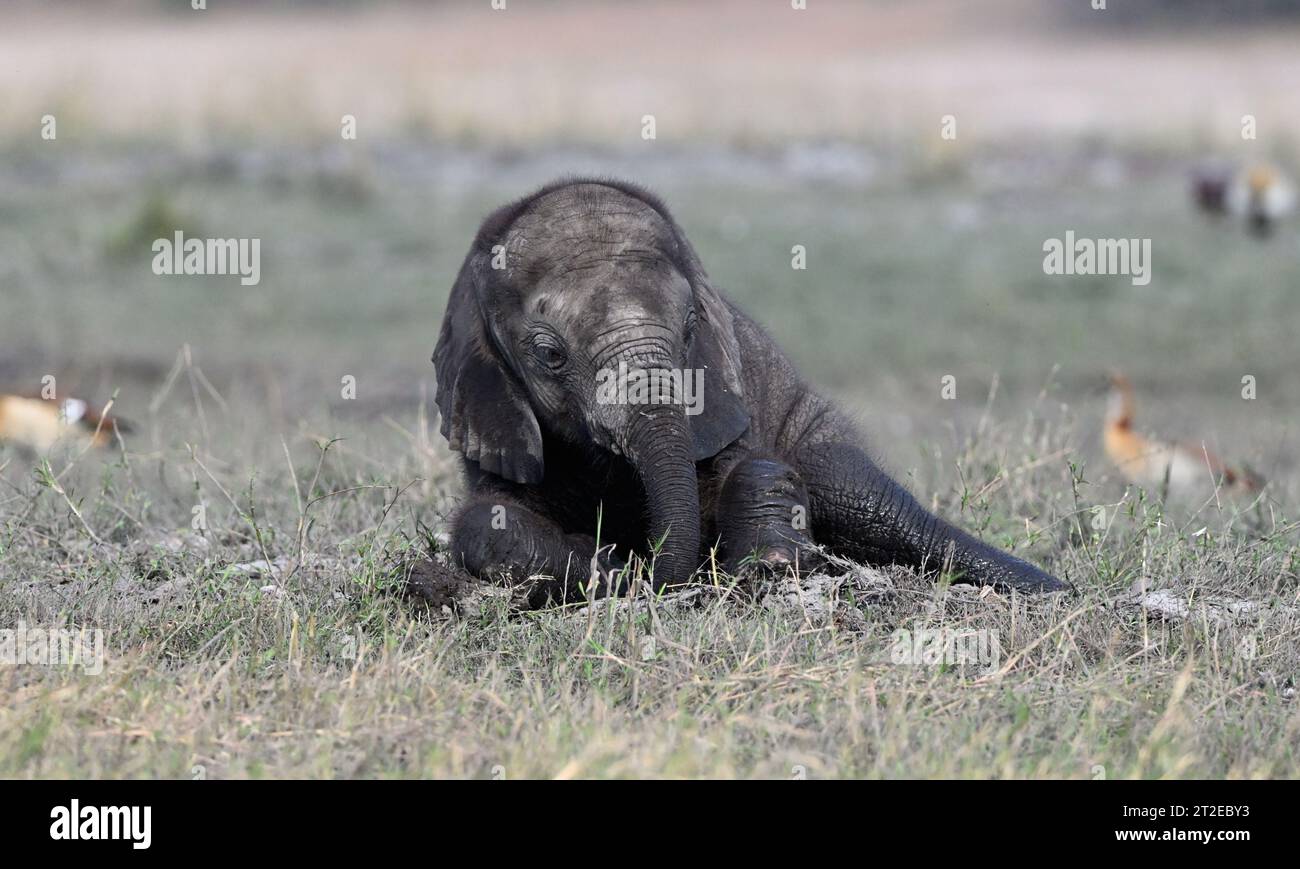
(550, 355)
(691, 322)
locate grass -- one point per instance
(218, 666)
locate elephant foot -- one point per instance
(498, 540)
(763, 520)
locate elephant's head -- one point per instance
(583, 313)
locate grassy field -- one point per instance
(242, 550)
(269, 643)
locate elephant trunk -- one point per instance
(659, 448)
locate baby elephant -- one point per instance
(601, 389)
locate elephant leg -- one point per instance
(498, 539)
(762, 517)
(862, 514)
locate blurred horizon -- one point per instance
(735, 74)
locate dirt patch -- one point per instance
(817, 598)
(439, 587)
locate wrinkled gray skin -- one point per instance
(581, 276)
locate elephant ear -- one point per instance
(724, 416)
(485, 412)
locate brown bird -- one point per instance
(1261, 194)
(1150, 463)
(39, 423)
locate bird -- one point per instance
(1210, 183)
(1269, 197)
(1261, 193)
(1153, 464)
(39, 423)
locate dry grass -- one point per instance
(222, 667)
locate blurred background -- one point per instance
(774, 127)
